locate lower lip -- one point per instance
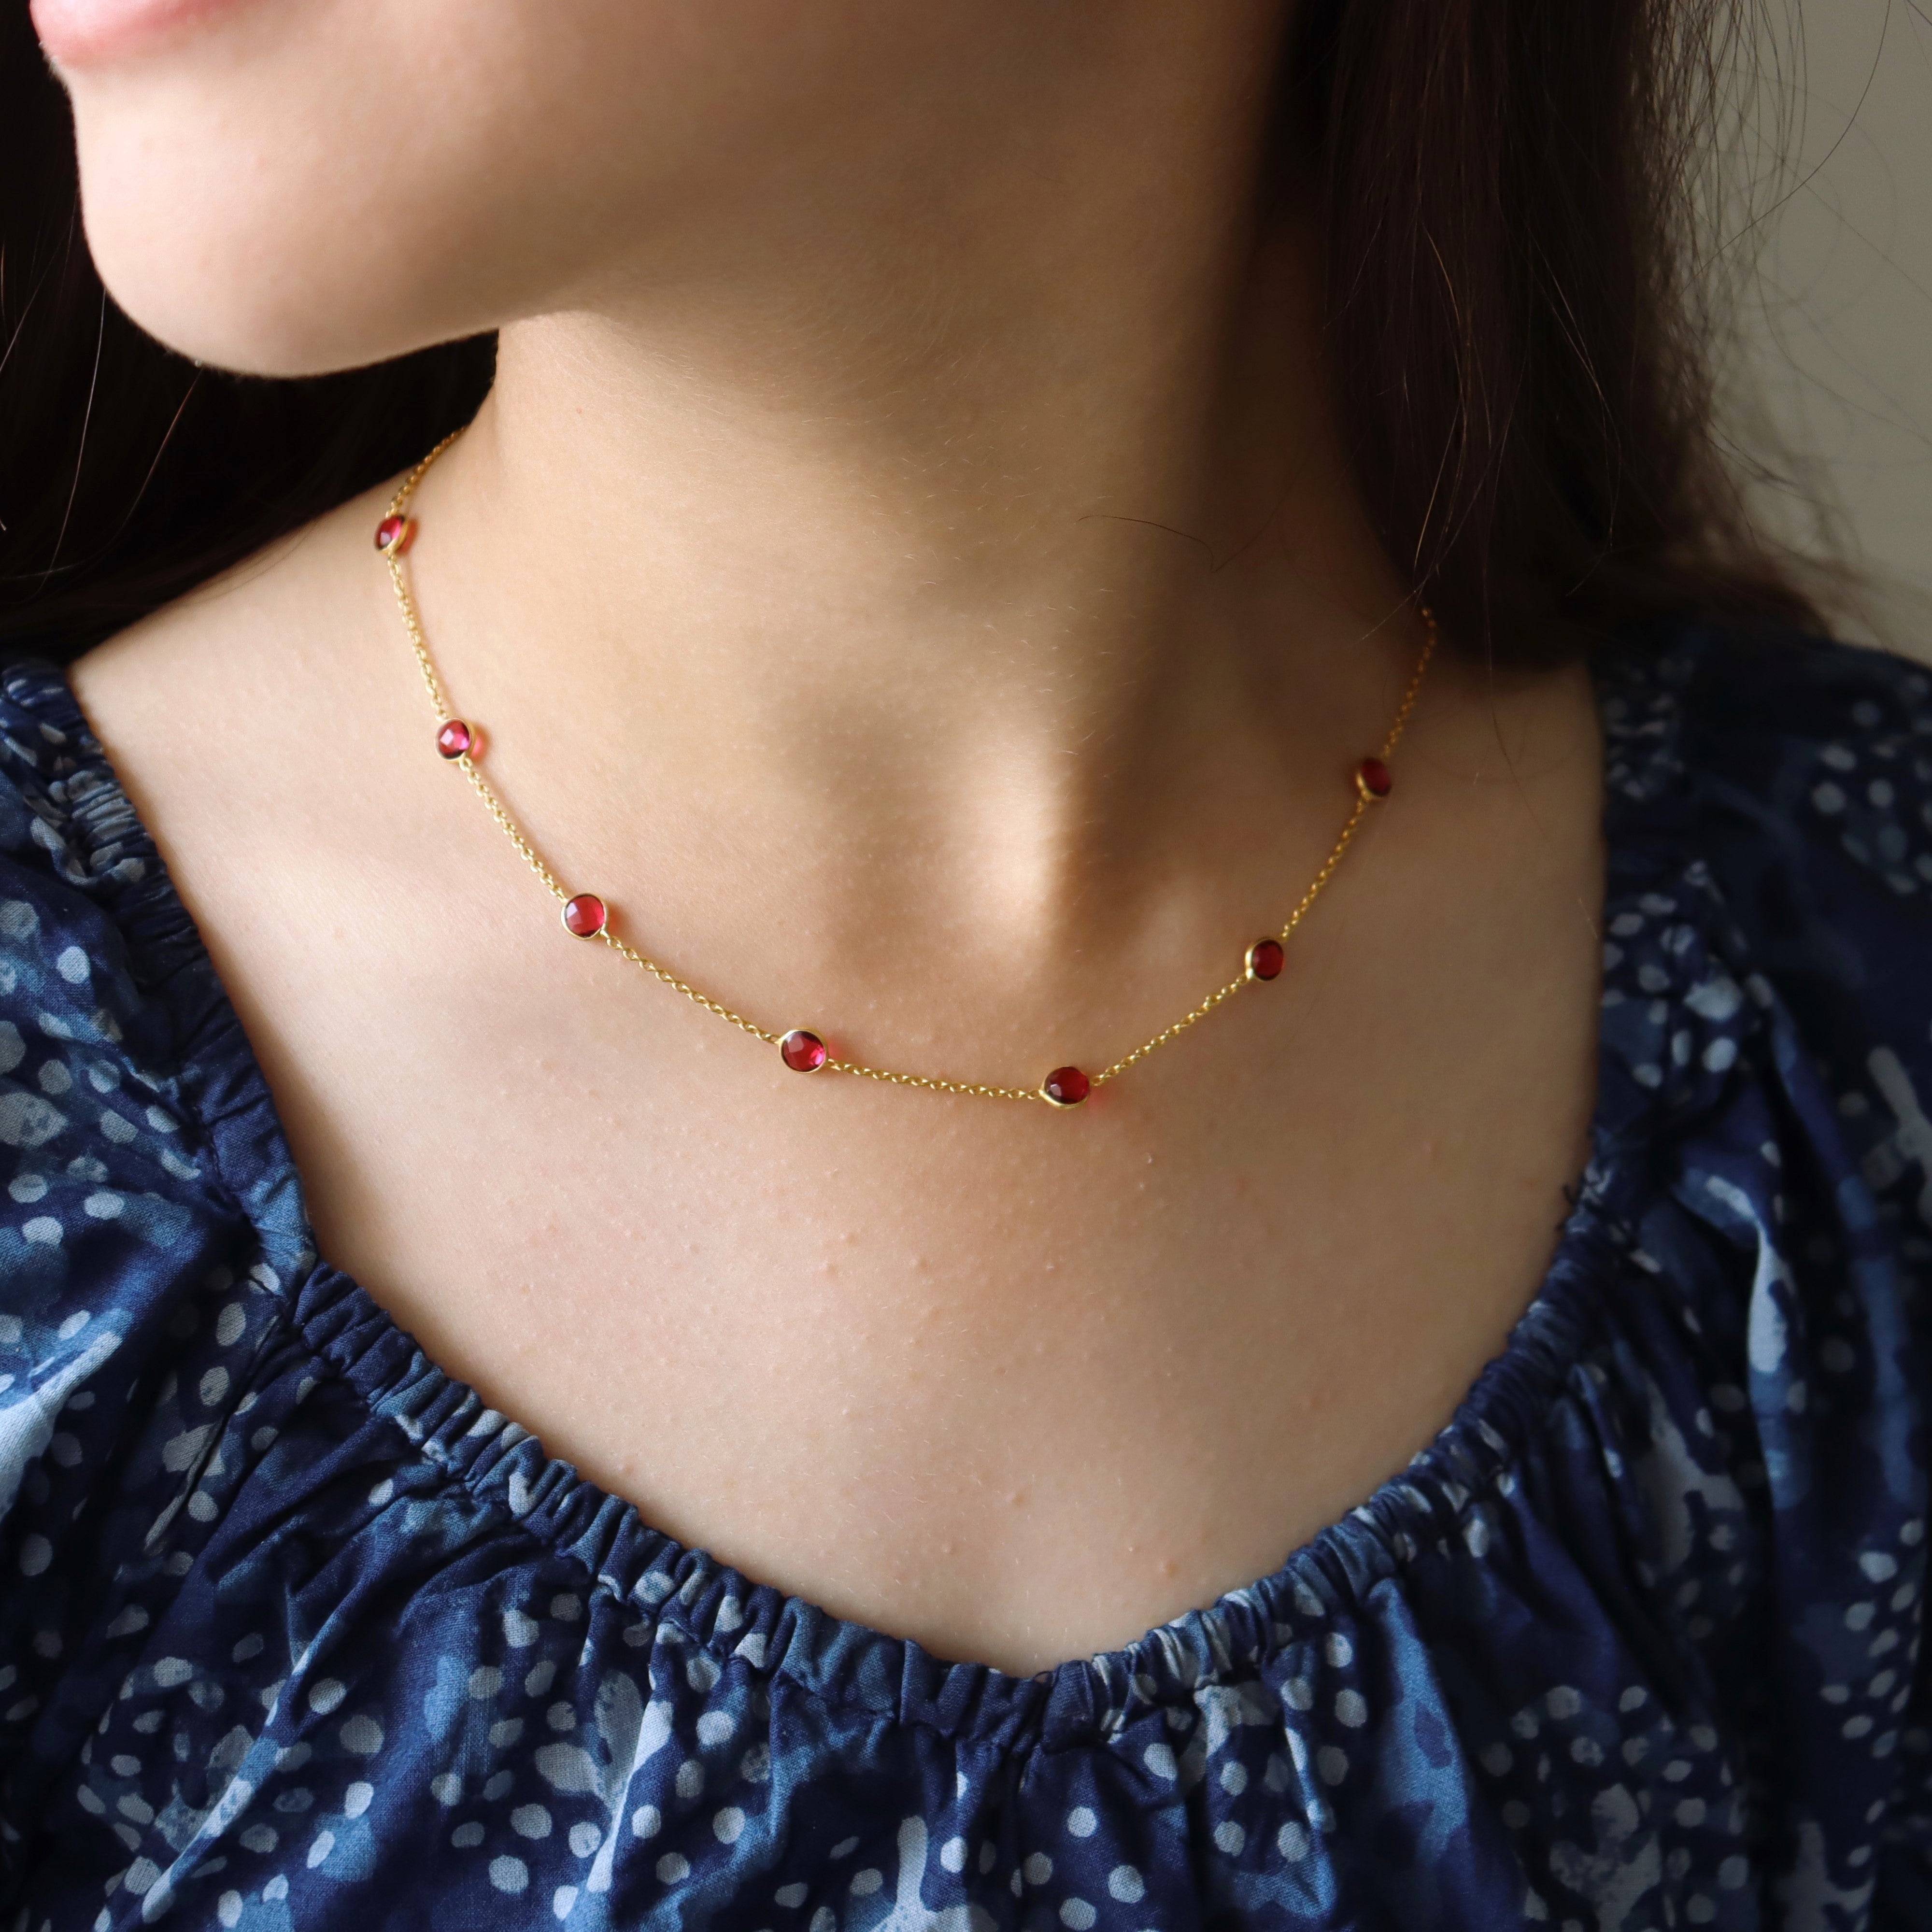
(79, 33)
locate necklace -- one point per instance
(587, 916)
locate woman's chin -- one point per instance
(82, 34)
(258, 330)
(260, 276)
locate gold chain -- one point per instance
(394, 535)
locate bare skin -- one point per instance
(954, 634)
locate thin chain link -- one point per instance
(931, 1083)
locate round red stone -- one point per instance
(455, 738)
(396, 534)
(1374, 778)
(803, 1052)
(1066, 1086)
(1265, 957)
(585, 915)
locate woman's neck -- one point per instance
(977, 543)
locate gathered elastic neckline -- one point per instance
(845, 1663)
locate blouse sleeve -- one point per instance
(1817, 776)
(117, 1231)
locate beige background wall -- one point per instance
(1839, 314)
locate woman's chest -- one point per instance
(1019, 1384)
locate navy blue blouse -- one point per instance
(295, 1632)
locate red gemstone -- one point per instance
(1373, 777)
(1265, 959)
(395, 534)
(455, 738)
(585, 915)
(1066, 1086)
(803, 1052)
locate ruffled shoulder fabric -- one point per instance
(295, 1632)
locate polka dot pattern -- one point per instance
(297, 1631)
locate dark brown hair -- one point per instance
(1520, 340)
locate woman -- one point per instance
(982, 511)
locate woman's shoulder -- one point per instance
(1788, 778)
(1767, 706)
(80, 965)
(1784, 757)
(1836, 733)
(125, 1082)
(222, 730)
